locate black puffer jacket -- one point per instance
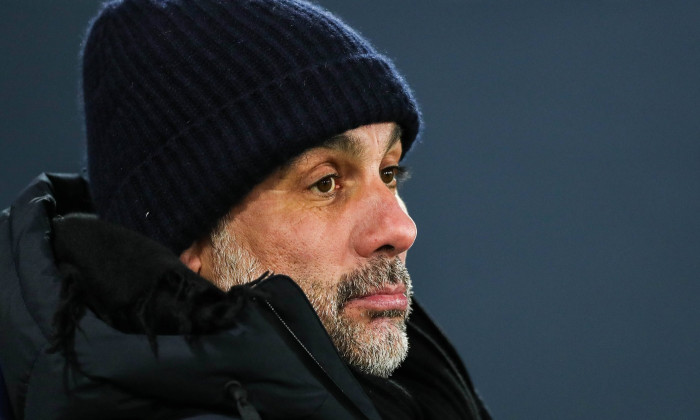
(150, 339)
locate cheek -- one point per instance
(294, 242)
(307, 239)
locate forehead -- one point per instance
(352, 142)
(356, 143)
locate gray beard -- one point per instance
(375, 349)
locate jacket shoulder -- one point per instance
(29, 280)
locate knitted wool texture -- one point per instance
(190, 104)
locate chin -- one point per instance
(376, 346)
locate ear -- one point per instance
(192, 257)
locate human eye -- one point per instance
(392, 175)
(326, 185)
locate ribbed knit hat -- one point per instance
(191, 103)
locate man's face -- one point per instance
(332, 221)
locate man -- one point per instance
(239, 249)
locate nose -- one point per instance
(384, 228)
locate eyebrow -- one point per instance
(350, 144)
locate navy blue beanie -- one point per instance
(191, 103)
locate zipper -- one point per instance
(356, 409)
(247, 411)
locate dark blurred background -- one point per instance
(556, 190)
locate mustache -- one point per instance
(377, 273)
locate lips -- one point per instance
(388, 298)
